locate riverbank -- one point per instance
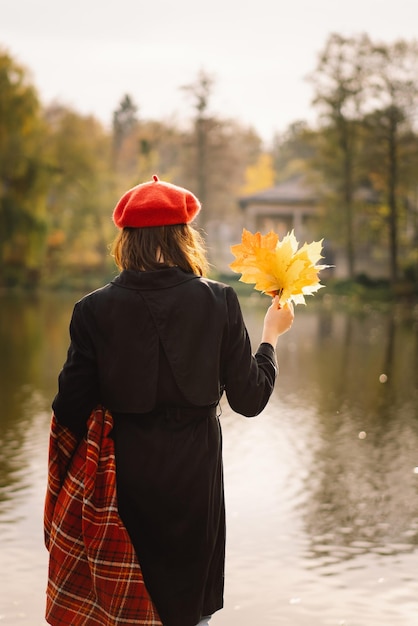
(348, 292)
(345, 292)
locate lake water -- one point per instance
(322, 488)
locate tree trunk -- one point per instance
(392, 198)
(201, 149)
(348, 201)
(348, 194)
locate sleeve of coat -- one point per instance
(78, 388)
(248, 379)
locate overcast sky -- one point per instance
(89, 53)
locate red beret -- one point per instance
(155, 204)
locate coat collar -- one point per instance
(158, 279)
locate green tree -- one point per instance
(294, 150)
(23, 177)
(125, 142)
(125, 120)
(391, 141)
(339, 82)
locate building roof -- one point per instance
(292, 191)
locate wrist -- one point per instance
(269, 337)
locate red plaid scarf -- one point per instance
(94, 575)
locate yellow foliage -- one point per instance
(278, 267)
(260, 175)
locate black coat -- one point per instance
(158, 349)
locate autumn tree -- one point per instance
(23, 177)
(204, 124)
(216, 152)
(142, 147)
(80, 195)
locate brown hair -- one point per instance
(139, 248)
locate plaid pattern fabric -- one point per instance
(94, 575)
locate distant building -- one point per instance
(289, 205)
(295, 205)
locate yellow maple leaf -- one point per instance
(278, 267)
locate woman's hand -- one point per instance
(277, 321)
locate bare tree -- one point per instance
(201, 91)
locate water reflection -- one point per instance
(321, 489)
(33, 337)
(363, 483)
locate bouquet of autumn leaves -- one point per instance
(278, 267)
